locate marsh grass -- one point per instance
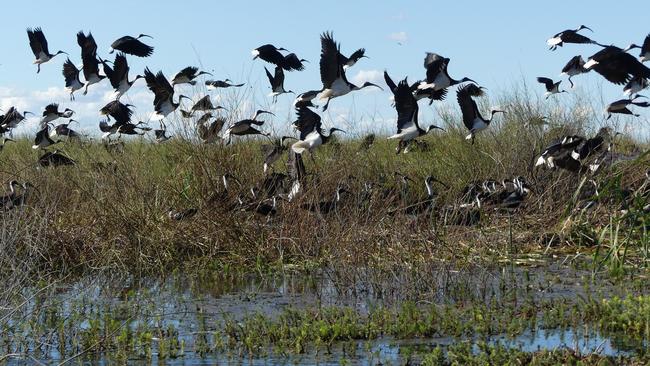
(108, 212)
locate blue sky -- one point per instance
(497, 44)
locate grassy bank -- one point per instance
(109, 211)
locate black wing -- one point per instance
(87, 44)
(120, 112)
(330, 66)
(70, 73)
(574, 37)
(307, 122)
(546, 81)
(121, 70)
(646, 44)
(279, 77)
(37, 41)
(406, 105)
(159, 85)
(90, 66)
(270, 77)
(132, 46)
(51, 108)
(189, 71)
(576, 62)
(468, 106)
(292, 62)
(434, 64)
(356, 55)
(389, 82)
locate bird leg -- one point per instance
(38, 69)
(326, 104)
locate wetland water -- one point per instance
(251, 319)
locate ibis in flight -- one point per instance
(227, 83)
(89, 59)
(118, 75)
(569, 36)
(437, 76)
(271, 54)
(635, 85)
(575, 66)
(311, 132)
(551, 86)
(332, 74)
(407, 116)
(616, 65)
(38, 44)
(471, 116)
(52, 113)
(245, 127)
(187, 76)
(621, 106)
(132, 46)
(205, 104)
(71, 76)
(277, 83)
(163, 102)
(12, 118)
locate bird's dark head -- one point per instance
(434, 127)
(367, 84)
(494, 111)
(138, 77)
(73, 120)
(261, 111)
(581, 27)
(402, 177)
(144, 35)
(14, 183)
(59, 53)
(631, 47)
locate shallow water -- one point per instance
(194, 305)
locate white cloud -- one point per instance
(400, 37)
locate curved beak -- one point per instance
(145, 35)
(28, 112)
(372, 84)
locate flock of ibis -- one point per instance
(577, 154)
